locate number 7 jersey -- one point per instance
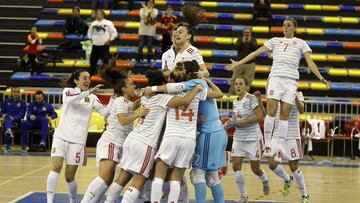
(181, 121)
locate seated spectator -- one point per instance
(147, 29)
(244, 46)
(95, 4)
(262, 8)
(12, 111)
(168, 21)
(31, 49)
(74, 25)
(39, 115)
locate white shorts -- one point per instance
(250, 149)
(176, 152)
(281, 89)
(73, 154)
(292, 150)
(107, 150)
(138, 157)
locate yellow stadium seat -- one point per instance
(349, 20)
(223, 99)
(64, 11)
(261, 41)
(66, 63)
(300, 30)
(55, 122)
(330, 8)
(331, 19)
(42, 35)
(261, 29)
(259, 83)
(132, 25)
(87, 12)
(312, 7)
(113, 50)
(303, 85)
(97, 123)
(318, 57)
(262, 69)
(337, 72)
(279, 6)
(208, 4)
(315, 31)
(354, 72)
(161, 3)
(107, 12)
(318, 86)
(223, 40)
(336, 58)
(233, 97)
(82, 64)
(206, 53)
(305, 117)
(243, 16)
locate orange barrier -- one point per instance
(139, 79)
(55, 36)
(135, 13)
(124, 64)
(129, 37)
(276, 30)
(352, 45)
(119, 24)
(204, 39)
(210, 15)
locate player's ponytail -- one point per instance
(193, 16)
(116, 77)
(155, 77)
(179, 73)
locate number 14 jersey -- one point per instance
(181, 122)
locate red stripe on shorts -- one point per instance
(146, 161)
(111, 151)
(298, 142)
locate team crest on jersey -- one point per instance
(87, 99)
(18, 104)
(271, 92)
(44, 108)
(190, 50)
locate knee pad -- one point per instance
(212, 179)
(197, 176)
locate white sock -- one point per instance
(300, 180)
(283, 129)
(95, 190)
(51, 184)
(268, 128)
(184, 193)
(72, 190)
(279, 171)
(156, 189)
(166, 190)
(113, 192)
(240, 182)
(263, 177)
(131, 195)
(174, 191)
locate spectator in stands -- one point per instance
(91, 19)
(95, 4)
(12, 111)
(101, 32)
(168, 22)
(74, 25)
(244, 46)
(262, 8)
(39, 115)
(147, 29)
(31, 49)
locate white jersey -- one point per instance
(294, 116)
(181, 122)
(76, 114)
(244, 109)
(148, 128)
(286, 56)
(115, 132)
(169, 59)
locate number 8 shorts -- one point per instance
(73, 154)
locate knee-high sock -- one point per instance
(268, 128)
(72, 190)
(300, 180)
(279, 171)
(51, 184)
(240, 182)
(263, 177)
(131, 195)
(174, 191)
(95, 190)
(113, 192)
(156, 190)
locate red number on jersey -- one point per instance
(184, 113)
(293, 153)
(286, 46)
(141, 120)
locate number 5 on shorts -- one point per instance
(78, 158)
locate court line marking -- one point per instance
(26, 174)
(22, 197)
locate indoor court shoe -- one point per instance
(243, 199)
(9, 134)
(266, 187)
(305, 199)
(24, 149)
(7, 149)
(287, 185)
